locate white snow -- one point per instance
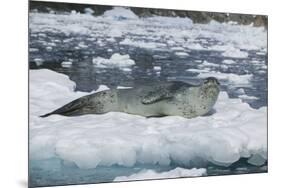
(151, 174)
(235, 130)
(116, 60)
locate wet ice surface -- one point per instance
(116, 50)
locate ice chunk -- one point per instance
(256, 160)
(120, 13)
(228, 61)
(208, 64)
(181, 54)
(33, 49)
(116, 60)
(143, 44)
(89, 11)
(195, 46)
(235, 53)
(66, 64)
(151, 174)
(247, 97)
(38, 61)
(157, 68)
(177, 48)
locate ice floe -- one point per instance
(233, 130)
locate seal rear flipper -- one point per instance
(68, 109)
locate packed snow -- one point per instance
(151, 174)
(232, 131)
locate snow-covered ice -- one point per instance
(116, 60)
(233, 131)
(151, 174)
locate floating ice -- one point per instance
(143, 44)
(38, 61)
(49, 48)
(208, 64)
(116, 60)
(235, 53)
(233, 131)
(195, 46)
(247, 97)
(157, 68)
(66, 64)
(177, 48)
(257, 160)
(33, 49)
(240, 91)
(151, 174)
(120, 13)
(228, 61)
(181, 54)
(89, 11)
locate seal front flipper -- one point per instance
(164, 91)
(155, 96)
(70, 108)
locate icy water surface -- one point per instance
(91, 50)
(173, 55)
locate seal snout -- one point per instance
(211, 80)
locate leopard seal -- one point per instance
(161, 99)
